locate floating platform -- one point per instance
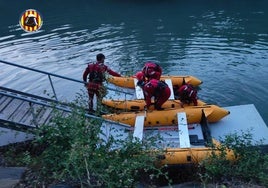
(185, 146)
(241, 119)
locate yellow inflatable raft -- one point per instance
(133, 105)
(175, 156)
(176, 80)
(168, 117)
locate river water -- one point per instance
(223, 43)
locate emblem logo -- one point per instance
(31, 20)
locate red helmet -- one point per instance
(152, 70)
(188, 89)
(150, 64)
(139, 75)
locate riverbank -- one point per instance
(61, 146)
(19, 176)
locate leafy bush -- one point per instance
(250, 164)
(76, 150)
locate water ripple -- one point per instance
(226, 47)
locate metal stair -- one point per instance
(22, 111)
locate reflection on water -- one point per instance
(223, 44)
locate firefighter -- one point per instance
(153, 88)
(187, 94)
(95, 72)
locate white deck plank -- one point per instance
(138, 90)
(169, 83)
(183, 130)
(138, 130)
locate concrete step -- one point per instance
(10, 176)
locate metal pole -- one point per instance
(52, 87)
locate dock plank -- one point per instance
(31, 115)
(15, 109)
(2, 98)
(53, 113)
(10, 108)
(4, 102)
(26, 117)
(19, 112)
(44, 115)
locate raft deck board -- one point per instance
(138, 90)
(183, 130)
(169, 83)
(138, 130)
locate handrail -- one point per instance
(66, 108)
(31, 95)
(55, 75)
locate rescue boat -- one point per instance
(134, 105)
(167, 117)
(128, 82)
(184, 143)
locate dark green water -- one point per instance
(223, 43)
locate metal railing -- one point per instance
(34, 99)
(58, 76)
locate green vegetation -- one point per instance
(74, 150)
(250, 164)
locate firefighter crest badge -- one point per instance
(31, 20)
